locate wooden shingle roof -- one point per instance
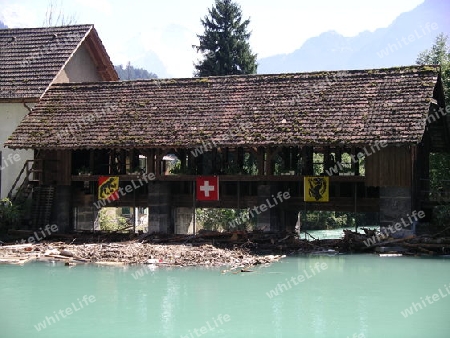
(31, 58)
(355, 107)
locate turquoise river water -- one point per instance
(351, 296)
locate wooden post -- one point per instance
(327, 159)
(240, 158)
(307, 160)
(239, 198)
(135, 212)
(355, 164)
(91, 161)
(193, 207)
(270, 154)
(183, 159)
(268, 169)
(356, 195)
(158, 159)
(150, 161)
(260, 161)
(64, 164)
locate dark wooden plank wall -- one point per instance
(389, 167)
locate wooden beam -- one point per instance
(64, 166)
(260, 161)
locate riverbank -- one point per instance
(207, 248)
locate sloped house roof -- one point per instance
(355, 108)
(32, 58)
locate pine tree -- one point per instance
(224, 43)
(439, 54)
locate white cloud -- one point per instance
(103, 6)
(173, 44)
(17, 16)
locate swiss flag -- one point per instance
(207, 188)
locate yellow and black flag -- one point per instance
(316, 188)
(108, 188)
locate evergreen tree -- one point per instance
(224, 43)
(439, 54)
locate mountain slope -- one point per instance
(399, 44)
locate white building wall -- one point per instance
(12, 161)
(80, 68)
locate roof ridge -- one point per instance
(34, 57)
(45, 28)
(338, 73)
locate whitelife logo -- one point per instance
(49, 320)
(415, 307)
(258, 209)
(281, 287)
(208, 327)
(9, 160)
(49, 229)
(405, 41)
(128, 189)
(394, 228)
(377, 146)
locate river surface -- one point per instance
(327, 234)
(307, 296)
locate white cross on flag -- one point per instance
(207, 188)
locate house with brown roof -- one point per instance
(31, 61)
(369, 131)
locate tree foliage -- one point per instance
(10, 214)
(439, 54)
(132, 73)
(224, 43)
(221, 219)
(110, 221)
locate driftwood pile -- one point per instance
(133, 253)
(410, 244)
(208, 248)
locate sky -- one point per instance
(159, 34)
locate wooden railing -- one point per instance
(31, 172)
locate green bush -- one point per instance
(10, 214)
(441, 216)
(220, 219)
(109, 221)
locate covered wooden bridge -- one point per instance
(370, 131)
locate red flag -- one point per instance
(207, 188)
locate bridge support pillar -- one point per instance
(395, 205)
(289, 220)
(62, 208)
(268, 220)
(160, 218)
(184, 220)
